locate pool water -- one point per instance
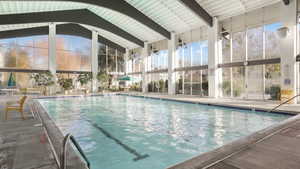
(124, 132)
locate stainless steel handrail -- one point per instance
(64, 151)
(284, 103)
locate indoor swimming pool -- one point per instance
(141, 133)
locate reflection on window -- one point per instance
(272, 82)
(272, 40)
(226, 82)
(24, 53)
(238, 46)
(158, 82)
(158, 60)
(226, 50)
(255, 43)
(111, 65)
(73, 53)
(102, 56)
(238, 82)
(120, 61)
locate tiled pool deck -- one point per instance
(243, 104)
(23, 144)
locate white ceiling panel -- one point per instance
(224, 9)
(170, 14)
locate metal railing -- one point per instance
(284, 103)
(68, 137)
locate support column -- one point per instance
(214, 72)
(52, 55)
(144, 61)
(288, 50)
(171, 64)
(94, 61)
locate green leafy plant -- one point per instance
(103, 79)
(226, 87)
(161, 84)
(275, 92)
(43, 79)
(84, 78)
(65, 83)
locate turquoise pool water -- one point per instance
(123, 132)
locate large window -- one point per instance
(120, 62)
(256, 80)
(255, 43)
(24, 53)
(192, 54)
(272, 40)
(158, 60)
(158, 82)
(111, 60)
(73, 53)
(238, 46)
(102, 56)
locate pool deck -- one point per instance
(243, 104)
(23, 143)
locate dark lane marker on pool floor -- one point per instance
(126, 147)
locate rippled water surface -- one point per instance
(123, 132)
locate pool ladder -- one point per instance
(68, 138)
(284, 103)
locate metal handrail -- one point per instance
(64, 153)
(284, 103)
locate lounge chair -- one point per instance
(15, 106)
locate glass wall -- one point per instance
(110, 59)
(24, 53)
(191, 54)
(73, 53)
(158, 82)
(102, 56)
(257, 80)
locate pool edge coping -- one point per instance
(292, 113)
(46, 120)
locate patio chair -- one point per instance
(15, 106)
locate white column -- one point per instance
(213, 59)
(52, 54)
(288, 50)
(94, 61)
(144, 58)
(171, 64)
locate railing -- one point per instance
(284, 103)
(68, 137)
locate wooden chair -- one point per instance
(15, 106)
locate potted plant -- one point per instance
(161, 84)
(103, 79)
(43, 80)
(84, 79)
(66, 84)
(275, 92)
